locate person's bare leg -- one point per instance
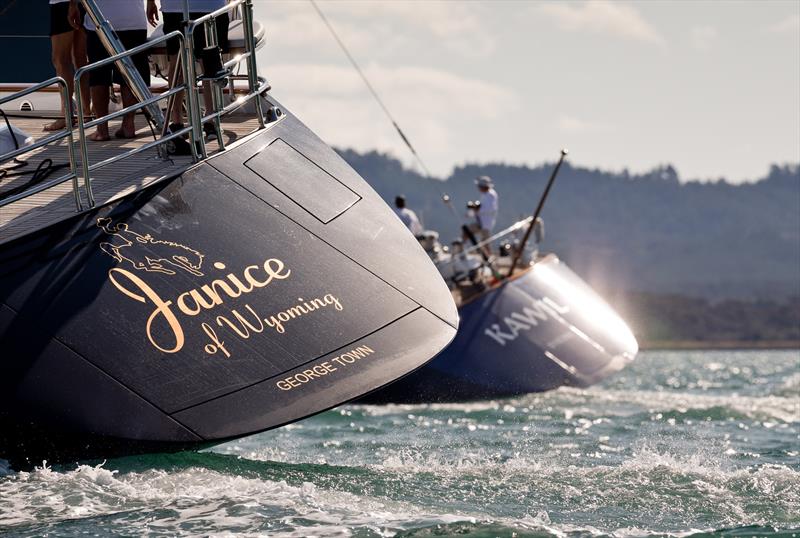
(210, 128)
(79, 59)
(62, 61)
(176, 114)
(207, 100)
(487, 248)
(100, 97)
(128, 127)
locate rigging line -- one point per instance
(445, 198)
(371, 89)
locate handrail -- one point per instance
(32, 89)
(125, 65)
(513, 228)
(502, 233)
(237, 103)
(66, 98)
(130, 52)
(82, 126)
(256, 87)
(43, 186)
(145, 147)
(39, 143)
(214, 14)
(236, 60)
(140, 104)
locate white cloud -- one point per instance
(457, 121)
(573, 125)
(603, 17)
(381, 25)
(790, 24)
(704, 37)
(432, 106)
(458, 26)
(296, 24)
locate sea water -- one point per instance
(679, 443)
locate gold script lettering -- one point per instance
(162, 307)
(193, 302)
(244, 325)
(216, 344)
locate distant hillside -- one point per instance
(667, 320)
(645, 233)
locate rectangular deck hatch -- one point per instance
(301, 180)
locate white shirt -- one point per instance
(195, 6)
(488, 211)
(58, 1)
(410, 219)
(122, 14)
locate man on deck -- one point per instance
(408, 217)
(486, 212)
(129, 22)
(69, 53)
(172, 11)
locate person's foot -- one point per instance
(57, 125)
(99, 136)
(125, 133)
(127, 129)
(210, 131)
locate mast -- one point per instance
(521, 249)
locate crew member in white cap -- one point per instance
(486, 214)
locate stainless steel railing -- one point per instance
(208, 24)
(136, 84)
(477, 248)
(187, 58)
(86, 167)
(499, 235)
(55, 137)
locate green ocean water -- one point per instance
(678, 444)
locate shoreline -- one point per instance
(718, 344)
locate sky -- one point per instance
(710, 87)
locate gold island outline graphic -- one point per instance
(145, 253)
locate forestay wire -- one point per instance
(406, 141)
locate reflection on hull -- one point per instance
(543, 329)
(219, 303)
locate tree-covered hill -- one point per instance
(643, 233)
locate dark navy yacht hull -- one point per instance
(249, 292)
(543, 329)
